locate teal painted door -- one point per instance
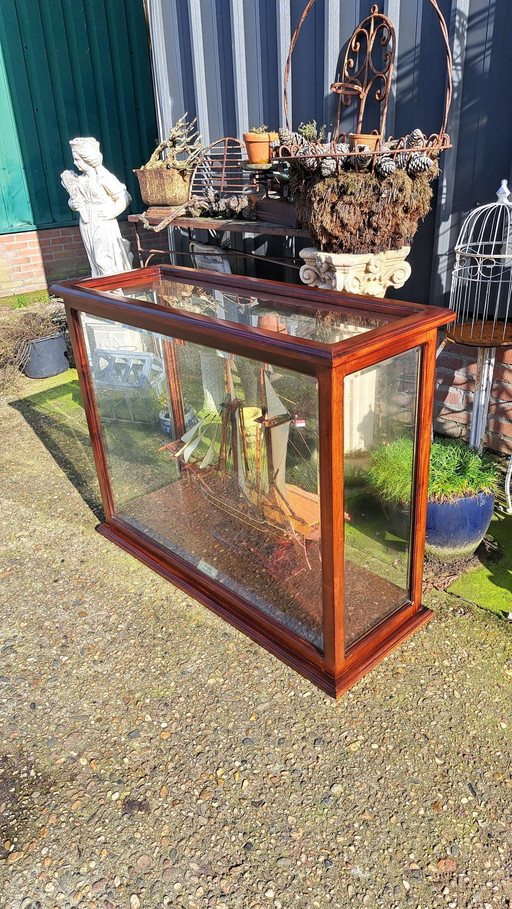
(69, 68)
(15, 207)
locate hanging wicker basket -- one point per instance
(163, 185)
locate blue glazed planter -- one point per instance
(457, 528)
(454, 529)
(166, 423)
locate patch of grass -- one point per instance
(21, 301)
(137, 465)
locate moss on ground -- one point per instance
(490, 586)
(53, 408)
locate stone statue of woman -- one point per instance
(99, 198)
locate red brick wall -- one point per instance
(455, 386)
(34, 259)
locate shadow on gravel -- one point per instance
(57, 417)
(22, 790)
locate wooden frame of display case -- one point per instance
(412, 326)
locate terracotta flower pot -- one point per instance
(272, 323)
(258, 147)
(369, 139)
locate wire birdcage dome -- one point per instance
(481, 292)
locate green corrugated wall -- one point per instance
(69, 68)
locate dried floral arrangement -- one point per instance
(165, 178)
(215, 205)
(354, 199)
(183, 148)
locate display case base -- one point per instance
(252, 628)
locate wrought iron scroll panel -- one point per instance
(367, 67)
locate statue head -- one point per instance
(86, 149)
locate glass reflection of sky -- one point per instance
(300, 320)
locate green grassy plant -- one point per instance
(456, 471)
(311, 132)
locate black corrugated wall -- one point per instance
(201, 45)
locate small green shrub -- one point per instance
(456, 471)
(311, 132)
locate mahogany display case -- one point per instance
(233, 422)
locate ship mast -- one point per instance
(275, 421)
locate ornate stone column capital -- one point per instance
(364, 273)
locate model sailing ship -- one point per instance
(243, 473)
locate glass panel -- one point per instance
(323, 325)
(380, 408)
(216, 458)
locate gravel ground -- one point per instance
(152, 756)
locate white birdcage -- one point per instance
(481, 297)
(481, 293)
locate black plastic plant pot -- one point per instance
(47, 357)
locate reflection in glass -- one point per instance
(324, 326)
(380, 405)
(230, 482)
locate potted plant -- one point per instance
(166, 180)
(258, 144)
(461, 489)
(165, 418)
(34, 342)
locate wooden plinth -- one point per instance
(155, 215)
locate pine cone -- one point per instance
(401, 160)
(342, 149)
(327, 166)
(287, 137)
(418, 164)
(415, 139)
(308, 157)
(362, 161)
(385, 166)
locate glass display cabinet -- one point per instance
(233, 422)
